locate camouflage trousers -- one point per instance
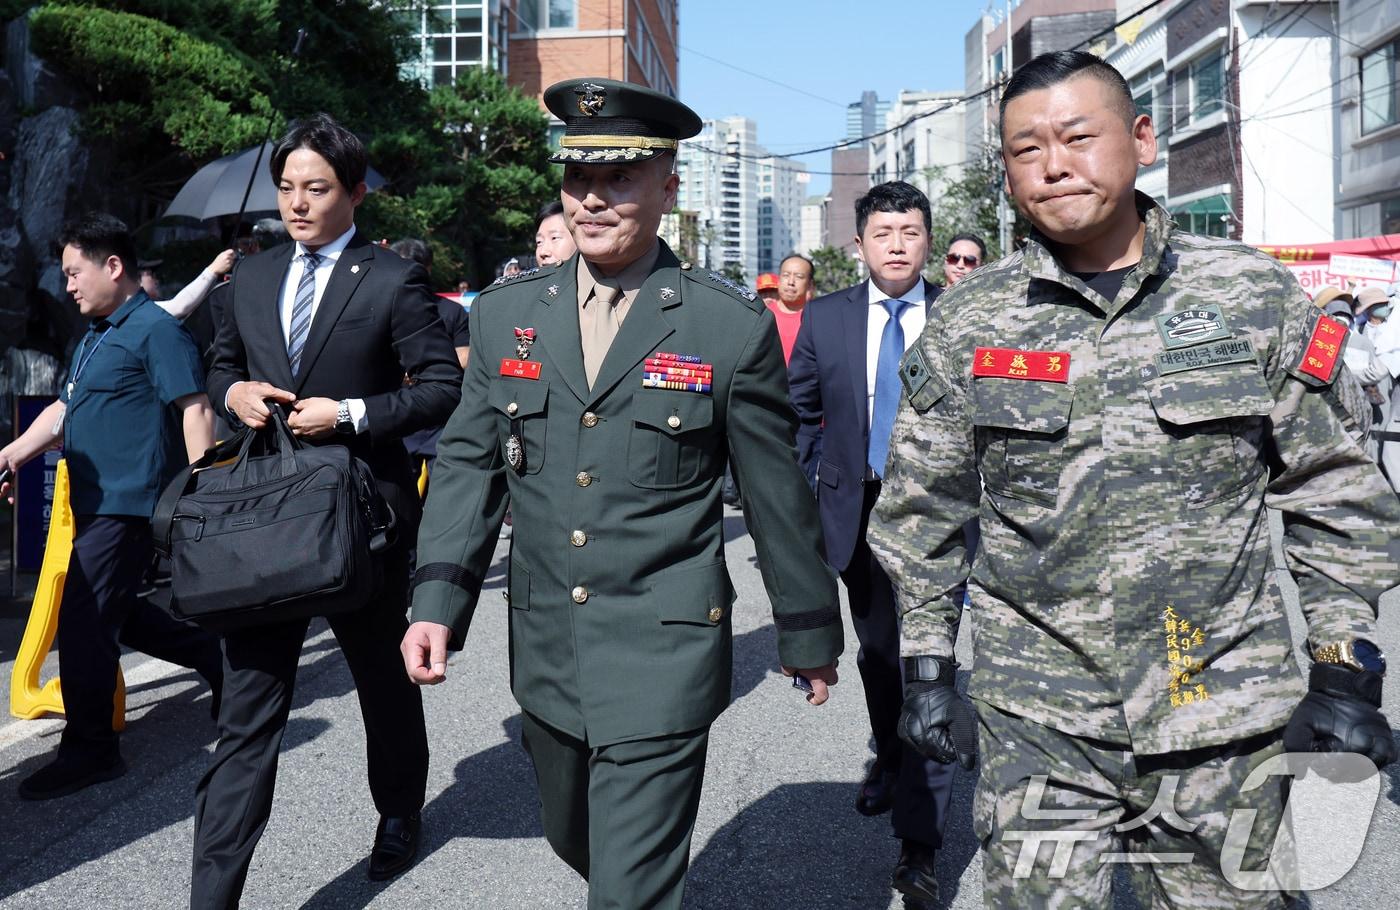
(1057, 814)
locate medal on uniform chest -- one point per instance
(524, 339)
(515, 448)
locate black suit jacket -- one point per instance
(377, 322)
(826, 380)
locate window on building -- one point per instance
(1380, 87)
(1151, 96)
(563, 13)
(1209, 216)
(1207, 74)
(1390, 216)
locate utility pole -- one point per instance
(1004, 215)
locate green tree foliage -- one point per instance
(834, 269)
(150, 81)
(173, 84)
(968, 205)
(497, 164)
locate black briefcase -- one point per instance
(263, 529)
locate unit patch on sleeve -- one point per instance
(923, 390)
(1320, 357)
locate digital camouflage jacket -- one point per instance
(1119, 456)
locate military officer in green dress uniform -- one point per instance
(604, 398)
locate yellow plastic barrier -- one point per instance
(27, 699)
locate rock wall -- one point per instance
(46, 174)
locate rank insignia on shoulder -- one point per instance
(1007, 363)
(507, 279)
(737, 288)
(1191, 327)
(1320, 356)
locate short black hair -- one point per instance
(1060, 66)
(895, 196)
(548, 210)
(415, 249)
(970, 238)
(98, 235)
(811, 266)
(320, 133)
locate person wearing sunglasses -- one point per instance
(965, 253)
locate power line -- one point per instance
(746, 72)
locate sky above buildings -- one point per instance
(824, 53)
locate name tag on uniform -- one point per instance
(1235, 350)
(1319, 358)
(521, 369)
(1008, 363)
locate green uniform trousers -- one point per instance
(621, 815)
(1057, 813)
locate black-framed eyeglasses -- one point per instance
(970, 261)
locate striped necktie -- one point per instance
(301, 310)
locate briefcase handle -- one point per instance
(276, 437)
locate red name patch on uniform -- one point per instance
(1007, 363)
(522, 369)
(1324, 347)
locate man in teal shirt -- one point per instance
(133, 405)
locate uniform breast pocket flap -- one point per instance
(353, 323)
(696, 596)
(1215, 420)
(1022, 426)
(521, 407)
(672, 438)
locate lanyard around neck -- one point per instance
(82, 361)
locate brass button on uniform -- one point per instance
(580, 594)
(512, 408)
(578, 538)
(583, 479)
(673, 422)
(716, 614)
(590, 419)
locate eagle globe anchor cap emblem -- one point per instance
(591, 98)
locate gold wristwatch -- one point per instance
(1354, 653)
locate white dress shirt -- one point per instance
(911, 320)
(330, 255)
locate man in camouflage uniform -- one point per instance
(1116, 404)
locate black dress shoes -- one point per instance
(395, 846)
(914, 875)
(876, 794)
(65, 775)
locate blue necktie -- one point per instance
(886, 386)
(301, 310)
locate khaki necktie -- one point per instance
(603, 329)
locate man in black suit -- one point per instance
(327, 327)
(844, 382)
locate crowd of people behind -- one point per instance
(934, 445)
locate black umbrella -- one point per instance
(218, 187)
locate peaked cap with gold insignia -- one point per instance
(608, 122)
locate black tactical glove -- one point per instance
(1341, 713)
(936, 720)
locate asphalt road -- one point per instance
(776, 828)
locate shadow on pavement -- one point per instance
(164, 751)
(798, 847)
(493, 796)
